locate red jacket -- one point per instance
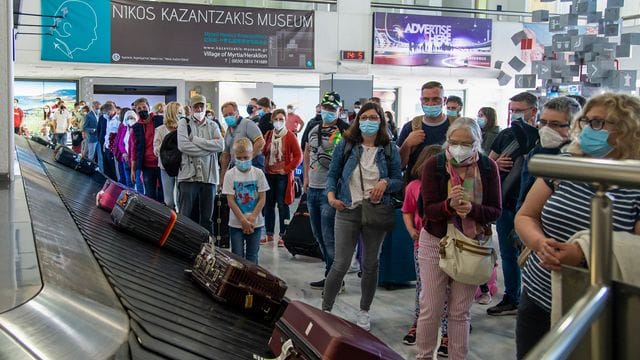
(292, 158)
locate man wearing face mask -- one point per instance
(90, 130)
(237, 127)
(142, 157)
(200, 141)
(428, 129)
(252, 110)
(318, 153)
(509, 150)
(264, 112)
(454, 107)
(356, 109)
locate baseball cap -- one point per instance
(332, 99)
(197, 99)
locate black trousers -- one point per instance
(532, 324)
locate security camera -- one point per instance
(462, 81)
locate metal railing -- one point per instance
(591, 310)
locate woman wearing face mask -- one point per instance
(365, 167)
(609, 128)
(460, 186)
(283, 155)
(124, 148)
(488, 122)
(172, 114)
(209, 115)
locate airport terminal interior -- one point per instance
(320, 179)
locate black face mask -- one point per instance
(249, 109)
(144, 114)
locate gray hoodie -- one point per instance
(199, 151)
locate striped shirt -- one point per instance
(568, 211)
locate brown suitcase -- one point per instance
(308, 333)
(238, 282)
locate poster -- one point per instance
(422, 40)
(156, 33)
(35, 95)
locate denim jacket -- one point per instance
(339, 175)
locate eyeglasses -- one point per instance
(370, 118)
(553, 124)
(595, 124)
(460, 143)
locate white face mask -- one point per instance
(550, 138)
(460, 152)
(199, 115)
(131, 121)
(209, 117)
(278, 125)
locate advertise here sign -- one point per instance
(137, 32)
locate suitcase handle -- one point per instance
(287, 350)
(168, 229)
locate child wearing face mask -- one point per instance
(245, 187)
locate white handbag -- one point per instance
(464, 259)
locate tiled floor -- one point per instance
(392, 310)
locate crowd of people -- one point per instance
(448, 172)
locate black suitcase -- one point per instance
(86, 166)
(298, 238)
(66, 156)
(156, 223)
(221, 222)
(42, 141)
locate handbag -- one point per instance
(466, 260)
(377, 216)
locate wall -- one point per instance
(85, 86)
(240, 93)
(6, 101)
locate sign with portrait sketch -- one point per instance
(156, 33)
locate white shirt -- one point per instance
(112, 128)
(246, 187)
(61, 117)
(370, 176)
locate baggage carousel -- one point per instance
(118, 297)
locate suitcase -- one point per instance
(42, 141)
(154, 222)
(86, 166)
(231, 279)
(221, 222)
(309, 333)
(397, 265)
(107, 197)
(66, 156)
(298, 238)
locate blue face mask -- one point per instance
(432, 111)
(452, 113)
(594, 142)
(369, 127)
(482, 122)
(243, 165)
(328, 116)
(261, 113)
(230, 120)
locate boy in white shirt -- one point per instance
(246, 187)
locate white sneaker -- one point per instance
(355, 266)
(363, 320)
(484, 299)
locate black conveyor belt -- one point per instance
(170, 316)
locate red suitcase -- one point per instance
(308, 333)
(231, 279)
(107, 197)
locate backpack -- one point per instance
(485, 170)
(325, 159)
(170, 155)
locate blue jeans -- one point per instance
(188, 193)
(152, 183)
(246, 246)
(275, 196)
(509, 255)
(168, 187)
(100, 155)
(125, 173)
(323, 218)
(92, 148)
(60, 139)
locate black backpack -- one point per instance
(170, 155)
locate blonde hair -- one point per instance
(242, 145)
(171, 114)
(158, 108)
(624, 112)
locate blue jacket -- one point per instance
(91, 127)
(339, 174)
(526, 179)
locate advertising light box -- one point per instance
(157, 33)
(421, 40)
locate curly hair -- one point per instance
(624, 112)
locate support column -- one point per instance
(6, 87)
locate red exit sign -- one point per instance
(352, 55)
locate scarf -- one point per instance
(466, 174)
(277, 147)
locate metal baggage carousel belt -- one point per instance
(169, 315)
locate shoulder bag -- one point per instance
(464, 259)
(377, 216)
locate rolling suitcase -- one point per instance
(86, 166)
(221, 222)
(305, 332)
(396, 258)
(158, 224)
(231, 279)
(107, 197)
(298, 238)
(42, 141)
(66, 156)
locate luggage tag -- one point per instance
(287, 350)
